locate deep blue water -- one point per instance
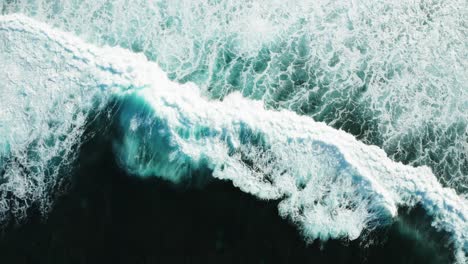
(108, 216)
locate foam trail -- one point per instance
(329, 183)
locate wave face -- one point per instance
(394, 74)
(329, 183)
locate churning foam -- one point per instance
(330, 184)
(392, 73)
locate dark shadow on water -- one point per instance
(110, 217)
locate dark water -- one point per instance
(108, 216)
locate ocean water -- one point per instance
(340, 127)
(108, 216)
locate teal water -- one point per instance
(248, 86)
(108, 216)
(385, 72)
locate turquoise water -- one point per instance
(392, 74)
(238, 92)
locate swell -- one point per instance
(329, 184)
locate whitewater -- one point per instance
(392, 73)
(330, 184)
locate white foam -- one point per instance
(330, 184)
(48, 87)
(394, 71)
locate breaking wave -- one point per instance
(329, 183)
(392, 73)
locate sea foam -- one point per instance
(330, 184)
(392, 73)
